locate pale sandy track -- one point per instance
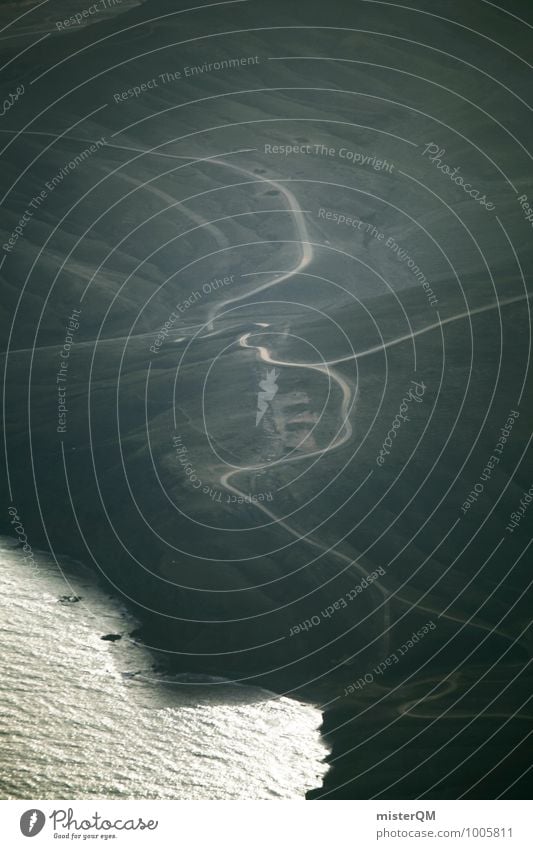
(345, 433)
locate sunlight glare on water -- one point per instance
(83, 718)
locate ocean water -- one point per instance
(85, 718)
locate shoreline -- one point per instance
(193, 702)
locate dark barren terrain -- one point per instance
(198, 256)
